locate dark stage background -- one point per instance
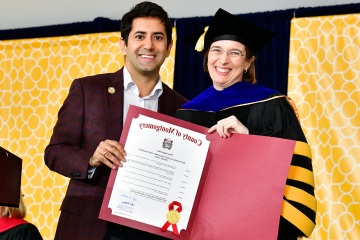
(190, 80)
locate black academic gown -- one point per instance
(265, 115)
(26, 231)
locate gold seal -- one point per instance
(111, 90)
(173, 216)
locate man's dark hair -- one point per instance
(145, 9)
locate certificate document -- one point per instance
(164, 163)
(225, 187)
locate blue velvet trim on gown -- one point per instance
(212, 100)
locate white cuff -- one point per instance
(91, 172)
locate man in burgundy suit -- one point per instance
(85, 139)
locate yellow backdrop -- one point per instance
(35, 75)
(324, 82)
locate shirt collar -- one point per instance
(129, 84)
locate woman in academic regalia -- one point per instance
(14, 227)
(234, 104)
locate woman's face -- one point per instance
(226, 63)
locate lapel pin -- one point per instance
(111, 90)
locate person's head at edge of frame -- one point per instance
(13, 212)
(146, 38)
(229, 45)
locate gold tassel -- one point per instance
(200, 43)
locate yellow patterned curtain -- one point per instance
(35, 76)
(324, 82)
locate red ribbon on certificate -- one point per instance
(173, 217)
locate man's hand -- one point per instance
(110, 153)
(229, 125)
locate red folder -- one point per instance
(240, 191)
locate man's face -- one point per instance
(146, 48)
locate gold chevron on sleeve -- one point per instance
(297, 218)
(303, 149)
(300, 196)
(301, 174)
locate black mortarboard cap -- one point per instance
(10, 178)
(225, 26)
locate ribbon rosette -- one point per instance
(173, 217)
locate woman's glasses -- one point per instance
(217, 52)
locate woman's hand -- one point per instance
(229, 125)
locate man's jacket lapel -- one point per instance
(114, 104)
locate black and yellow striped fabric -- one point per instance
(299, 203)
(275, 117)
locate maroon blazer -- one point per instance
(89, 115)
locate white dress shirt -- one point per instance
(131, 96)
